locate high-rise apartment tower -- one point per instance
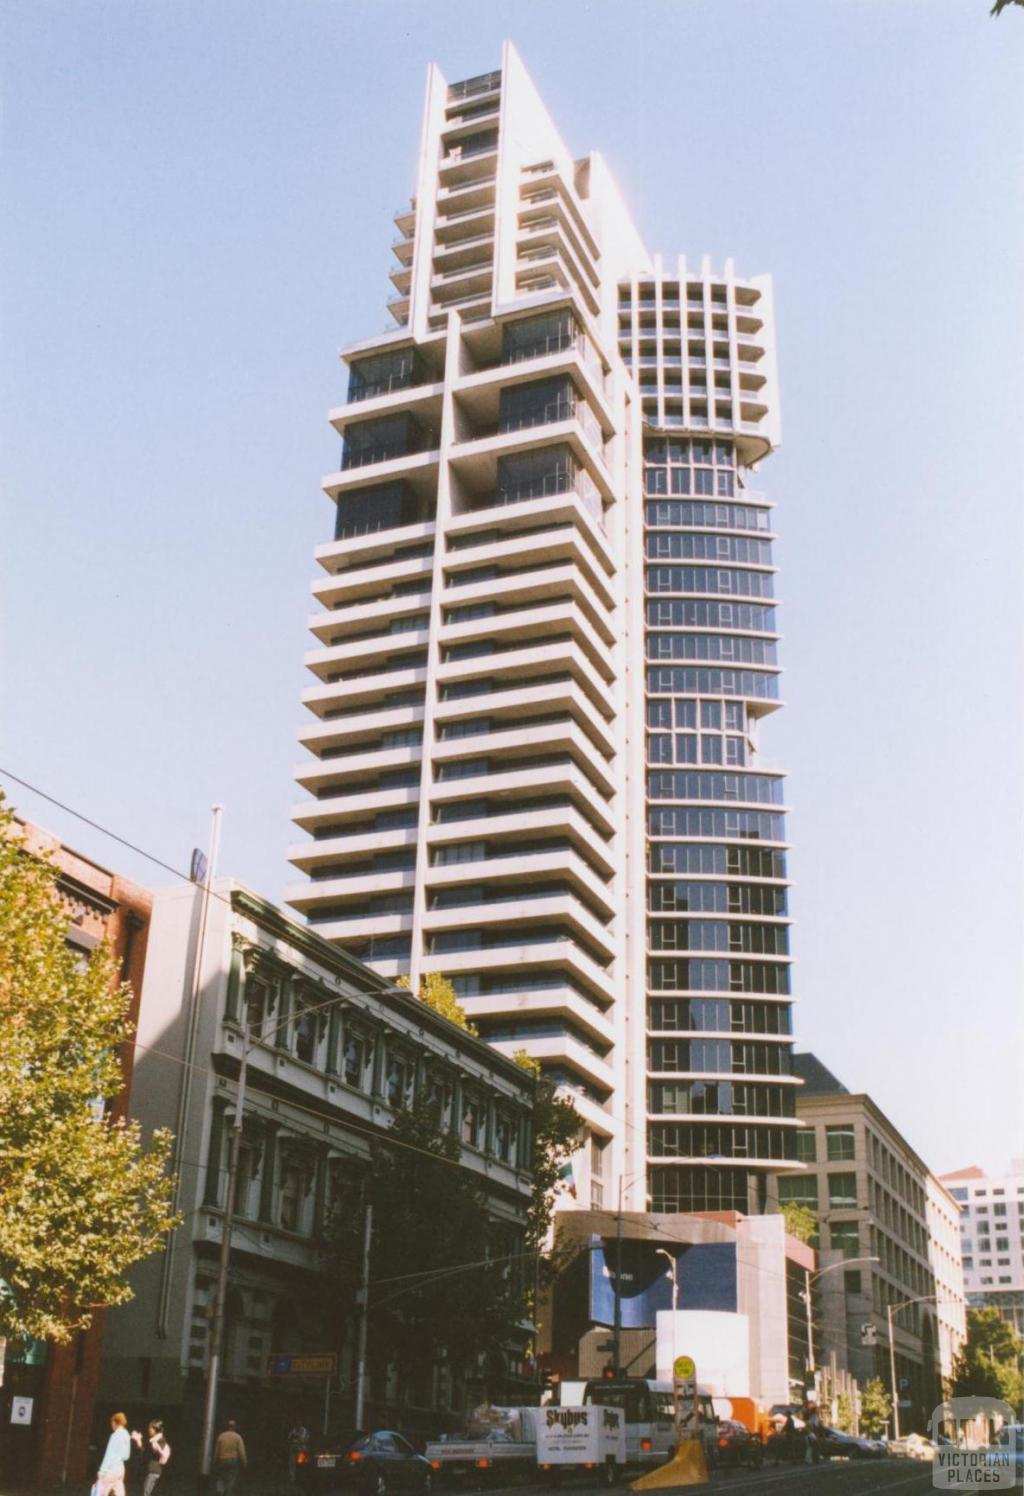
(546, 641)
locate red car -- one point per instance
(737, 1445)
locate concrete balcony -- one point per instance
(401, 465)
(570, 507)
(310, 814)
(545, 1002)
(310, 896)
(544, 550)
(519, 665)
(321, 699)
(551, 820)
(520, 784)
(321, 737)
(536, 624)
(357, 552)
(462, 251)
(478, 393)
(362, 927)
(307, 855)
(475, 459)
(364, 652)
(513, 867)
(504, 749)
(474, 220)
(362, 616)
(510, 707)
(598, 1120)
(526, 913)
(370, 581)
(423, 399)
(323, 773)
(538, 589)
(567, 1050)
(549, 955)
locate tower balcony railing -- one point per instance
(470, 87)
(354, 457)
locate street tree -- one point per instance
(989, 1362)
(801, 1221)
(438, 993)
(81, 1197)
(875, 1407)
(443, 1279)
(844, 1413)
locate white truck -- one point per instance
(581, 1438)
(498, 1445)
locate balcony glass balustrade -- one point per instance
(400, 435)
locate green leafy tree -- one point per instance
(875, 1407)
(1001, 5)
(801, 1221)
(81, 1199)
(989, 1363)
(844, 1413)
(461, 1291)
(438, 993)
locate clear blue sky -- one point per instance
(197, 215)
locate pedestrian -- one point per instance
(298, 1444)
(110, 1476)
(156, 1451)
(812, 1428)
(229, 1458)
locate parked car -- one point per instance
(377, 1464)
(837, 1445)
(736, 1445)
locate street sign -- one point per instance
(684, 1386)
(304, 1364)
(21, 1411)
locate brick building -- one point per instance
(62, 1379)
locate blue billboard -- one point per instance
(706, 1273)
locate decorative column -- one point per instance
(215, 1152)
(268, 1184)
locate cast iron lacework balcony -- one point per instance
(382, 440)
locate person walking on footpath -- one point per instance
(157, 1452)
(110, 1476)
(229, 1458)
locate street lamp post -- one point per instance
(673, 1268)
(891, 1309)
(810, 1278)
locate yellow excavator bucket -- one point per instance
(687, 1467)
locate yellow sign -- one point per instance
(684, 1368)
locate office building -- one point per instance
(875, 1198)
(992, 1238)
(335, 1050)
(546, 645)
